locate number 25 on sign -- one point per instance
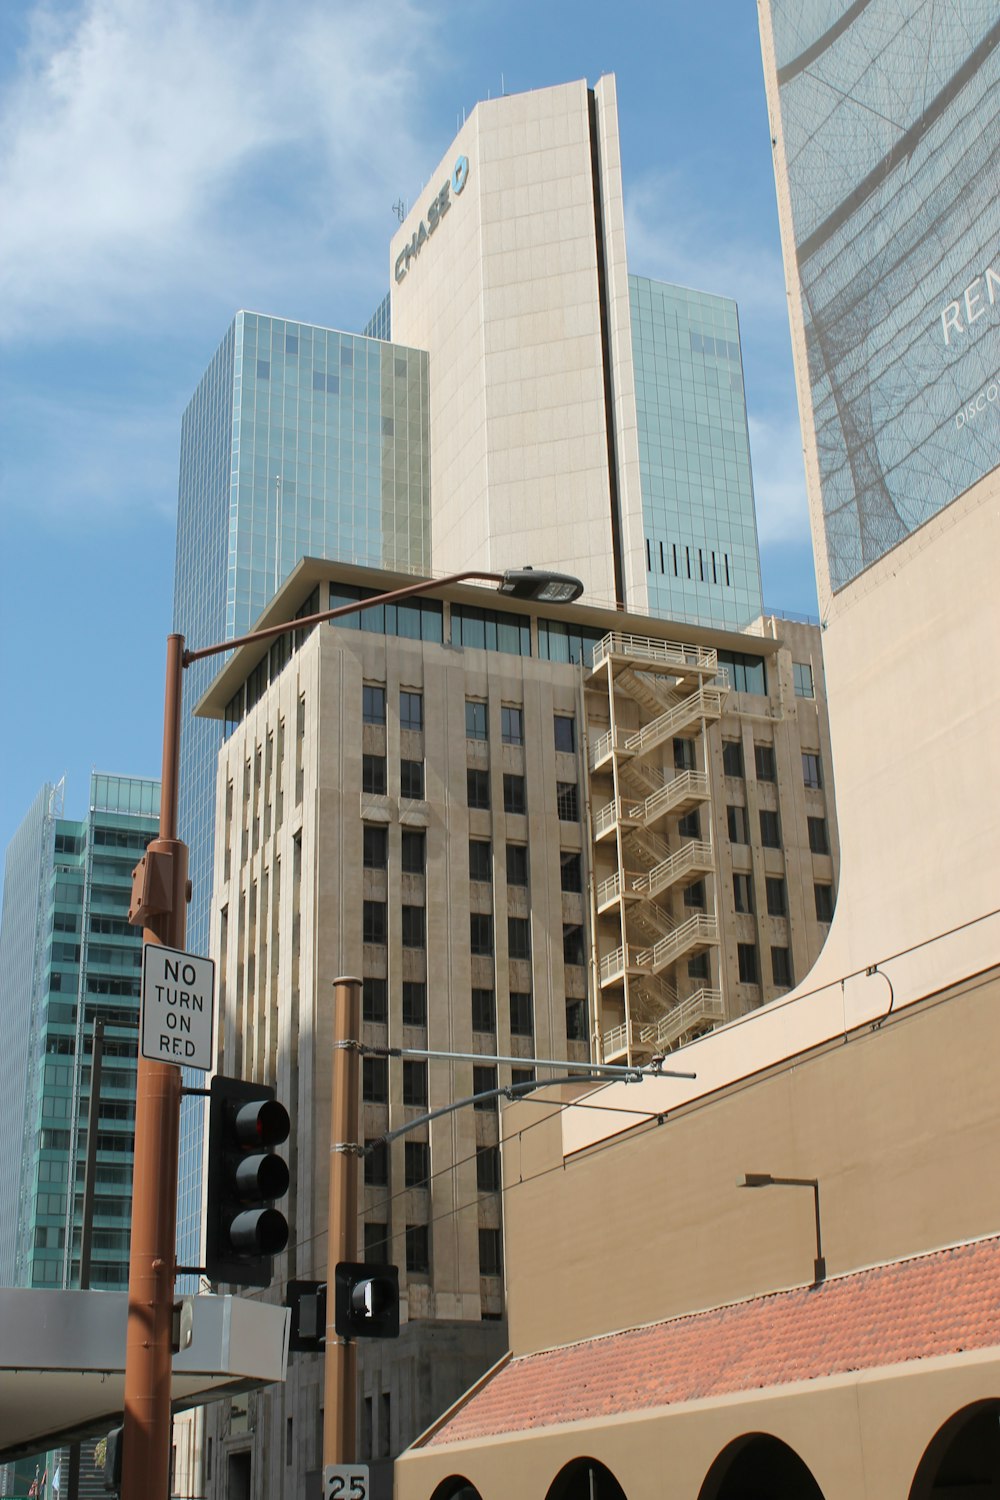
(346, 1482)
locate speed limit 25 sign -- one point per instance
(346, 1482)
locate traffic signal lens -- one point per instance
(259, 1231)
(262, 1122)
(262, 1176)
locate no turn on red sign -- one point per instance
(178, 1007)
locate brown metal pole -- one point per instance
(152, 1255)
(341, 1368)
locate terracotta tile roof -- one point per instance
(934, 1304)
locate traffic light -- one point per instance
(111, 1464)
(366, 1301)
(243, 1230)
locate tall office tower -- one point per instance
(581, 417)
(70, 958)
(533, 833)
(298, 440)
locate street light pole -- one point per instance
(341, 1355)
(160, 893)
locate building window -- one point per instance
(488, 1169)
(570, 870)
(684, 755)
(375, 851)
(411, 710)
(490, 630)
(521, 1076)
(567, 802)
(414, 851)
(480, 933)
(572, 943)
(416, 1163)
(475, 720)
(743, 892)
(738, 824)
(698, 966)
(373, 703)
(514, 797)
(374, 922)
(519, 937)
(764, 760)
(484, 1079)
(373, 778)
(414, 1002)
(746, 674)
(415, 1083)
(819, 841)
(565, 731)
(770, 829)
(694, 895)
(511, 725)
(478, 788)
(480, 860)
(812, 773)
(376, 1243)
(418, 1250)
(521, 1018)
(375, 1079)
(411, 779)
(484, 1010)
(517, 864)
(376, 1163)
(689, 826)
(490, 1262)
(777, 900)
(746, 958)
(732, 758)
(414, 927)
(576, 1021)
(824, 901)
(781, 966)
(802, 676)
(374, 1001)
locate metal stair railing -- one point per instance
(699, 930)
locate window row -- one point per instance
(481, 940)
(374, 777)
(512, 725)
(515, 796)
(749, 967)
(418, 1255)
(738, 825)
(375, 1007)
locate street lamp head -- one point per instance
(755, 1179)
(542, 586)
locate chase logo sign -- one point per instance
(436, 210)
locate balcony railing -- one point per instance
(661, 653)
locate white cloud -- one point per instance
(673, 235)
(151, 148)
(779, 480)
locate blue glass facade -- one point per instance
(299, 441)
(702, 559)
(73, 957)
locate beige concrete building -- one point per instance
(534, 834)
(680, 1340)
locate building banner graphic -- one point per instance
(891, 121)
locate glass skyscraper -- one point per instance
(70, 957)
(299, 441)
(702, 558)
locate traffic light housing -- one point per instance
(243, 1229)
(366, 1301)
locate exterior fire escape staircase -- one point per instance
(674, 691)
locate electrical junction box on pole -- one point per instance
(177, 1007)
(346, 1482)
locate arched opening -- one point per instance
(963, 1456)
(759, 1467)
(455, 1487)
(585, 1479)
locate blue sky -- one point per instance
(165, 162)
